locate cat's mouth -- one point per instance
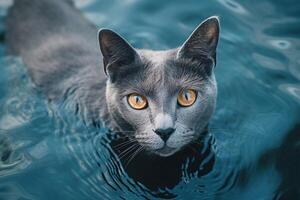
(166, 151)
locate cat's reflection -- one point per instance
(5, 150)
(159, 173)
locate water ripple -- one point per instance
(52, 151)
(234, 6)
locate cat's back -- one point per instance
(30, 22)
(56, 43)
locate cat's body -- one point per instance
(61, 52)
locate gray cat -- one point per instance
(161, 99)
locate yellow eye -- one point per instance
(187, 97)
(137, 101)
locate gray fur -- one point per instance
(61, 54)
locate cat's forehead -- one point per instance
(157, 58)
(161, 71)
(159, 67)
(167, 65)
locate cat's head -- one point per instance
(162, 99)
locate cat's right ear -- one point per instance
(203, 41)
(115, 50)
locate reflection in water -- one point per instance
(268, 62)
(10, 162)
(280, 44)
(288, 165)
(293, 90)
(157, 172)
(252, 147)
(234, 6)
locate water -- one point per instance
(47, 152)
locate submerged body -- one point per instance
(60, 50)
(175, 89)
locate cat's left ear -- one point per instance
(203, 42)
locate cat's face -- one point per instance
(164, 99)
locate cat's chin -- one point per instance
(166, 151)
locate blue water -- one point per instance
(47, 152)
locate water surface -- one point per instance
(47, 152)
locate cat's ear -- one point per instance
(202, 43)
(115, 50)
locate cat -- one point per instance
(162, 100)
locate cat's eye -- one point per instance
(187, 97)
(137, 101)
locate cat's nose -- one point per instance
(164, 134)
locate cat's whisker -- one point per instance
(124, 138)
(127, 151)
(122, 144)
(134, 155)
